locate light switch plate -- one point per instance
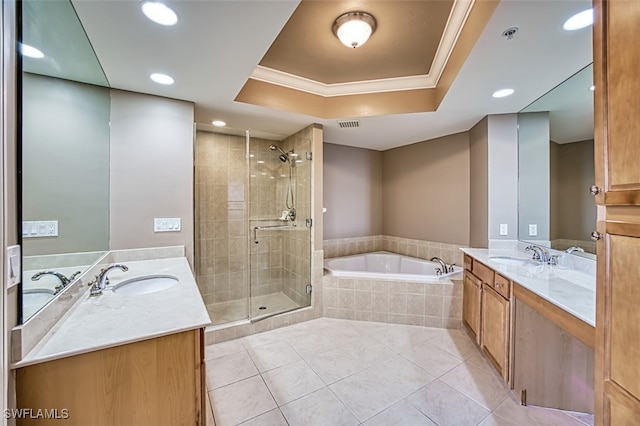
(504, 229)
(13, 266)
(533, 230)
(166, 224)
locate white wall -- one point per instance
(503, 175)
(533, 175)
(151, 170)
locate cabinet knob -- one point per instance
(594, 190)
(595, 236)
(498, 285)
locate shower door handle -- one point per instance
(255, 230)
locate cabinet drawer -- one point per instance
(502, 286)
(483, 272)
(468, 262)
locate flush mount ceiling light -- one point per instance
(592, 88)
(30, 51)
(502, 93)
(161, 78)
(579, 20)
(353, 29)
(218, 123)
(159, 13)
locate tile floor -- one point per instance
(235, 310)
(334, 372)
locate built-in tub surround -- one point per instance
(426, 300)
(113, 319)
(420, 249)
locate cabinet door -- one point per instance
(471, 304)
(495, 329)
(617, 149)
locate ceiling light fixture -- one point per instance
(502, 93)
(159, 13)
(579, 20)
(353, 29)
(30, 51)
(218, 123)
(161, 78)
(592, 88)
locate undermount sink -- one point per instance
(515, 261)
(145, 285)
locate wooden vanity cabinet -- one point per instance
(158, 381)
(486, 312)
(472, 304)
(495, 329)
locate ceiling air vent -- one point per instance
(348, 124)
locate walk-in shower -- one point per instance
(253, 242)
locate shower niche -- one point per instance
(253, 224)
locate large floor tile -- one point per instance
(319, 408)
(434, 360)
(260, 339)
(513, 412)
(273, 355)
(364, 394)
(446, 406)
(369, 352)
(229, 369)
(493, 420)
(292, 381)
(219, 350)
(333, 365)
(240, 401)
(401, 414)
(485, 387)
(587, 419)
(270, 418)
(457, 343)
(402, 338)
(401, 375)
(314, 343)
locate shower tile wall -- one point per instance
(220, 217)
(297, 244)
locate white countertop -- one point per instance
(112, 319)
(569, 289)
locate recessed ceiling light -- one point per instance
(579, 20)
(159, 13)
(260, 161)
(592, 88)
(162, 78)
(218, 123)
(30, 51)
(503, 93)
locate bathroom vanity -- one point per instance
(123, 357)
(535, 324)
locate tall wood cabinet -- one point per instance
(617, 147)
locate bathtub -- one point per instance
(385, 265)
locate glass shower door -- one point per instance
(279, 225)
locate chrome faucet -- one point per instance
(444, 269)
(539, 254)
(102, 279)
(574, 248)
(64, 281)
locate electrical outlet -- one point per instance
(504, 229)
(533, 230)
(39, 228)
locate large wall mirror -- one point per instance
(64, 145)
(556, 167)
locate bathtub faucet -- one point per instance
(443, 269)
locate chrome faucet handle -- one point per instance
(553, 260)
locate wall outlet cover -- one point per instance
(533, 230)
(504, 229)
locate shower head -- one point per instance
(283, 155)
